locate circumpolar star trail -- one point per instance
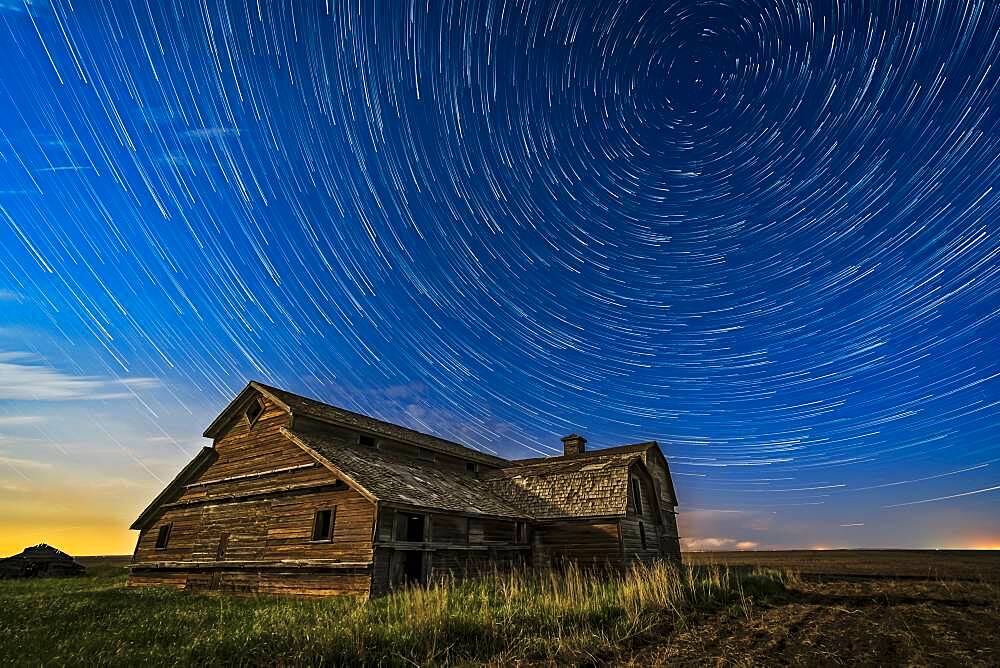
(763, 233)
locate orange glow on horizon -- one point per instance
(986, 545)
(78, 520)
(75, 541)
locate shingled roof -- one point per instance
(298, 405)
(595, 485)
(405, 481)
(638, 449)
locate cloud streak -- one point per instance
(717, 544)
(20, 420)
(24, 377)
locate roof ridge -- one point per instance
(373, 423)
(588, 454)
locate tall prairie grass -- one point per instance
(566, 616)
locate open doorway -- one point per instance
(413, 567)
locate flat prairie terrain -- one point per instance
(862, 607)
(850, 607)
(934, 564)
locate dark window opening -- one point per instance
(163, 536)
(472, 467)
(254, 411)
(425, 455)
(410, 527)
(367, 441)
(642, 535)
(323, 524)
(220, 553)
(521, 532)
(636, 496)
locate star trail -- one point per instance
(763, 233)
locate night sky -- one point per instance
(763, 233)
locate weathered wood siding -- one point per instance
(669, 538)
(646, 520)
(586, 541)
(450, 529)
(245, 450)
(657, 467)
(458, 565)
(632, 541)
(253, 509)
(455, 546)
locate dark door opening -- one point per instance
(410, 527)
(415, 528)
(413, 567)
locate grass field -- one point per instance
(569, 618)
(848, 607)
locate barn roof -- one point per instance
(403, 481)
(636, 449)
(298, 405)
(568, 486)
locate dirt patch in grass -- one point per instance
(866, 621)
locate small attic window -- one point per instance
(163, 536)
(254, 411)
(472, 467)
(636, 495)
(366, 440)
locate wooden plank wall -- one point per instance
(657, 467)
(459, 565)
(651, 519)
(450, 529)
(583, 541)
(632, 541)
(274, 524)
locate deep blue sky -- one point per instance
(762, 233)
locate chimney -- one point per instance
(574, 444)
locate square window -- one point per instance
(163, 536)
(472, 467)
(366, 440)
(323, 523)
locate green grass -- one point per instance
(566, 617)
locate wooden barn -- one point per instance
(40, 561)
(297, 496)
